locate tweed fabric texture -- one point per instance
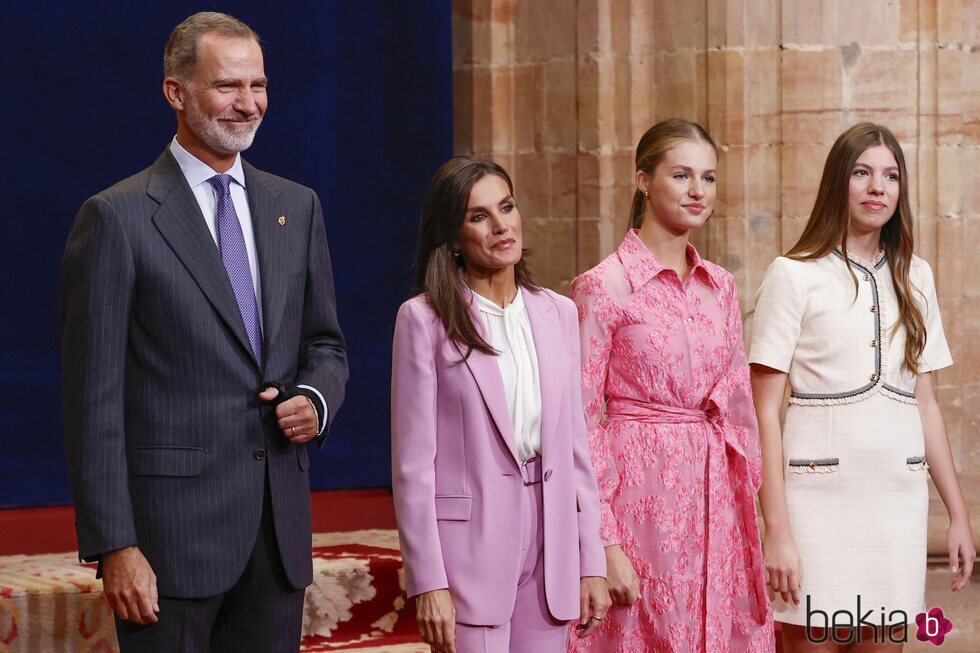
(856, 482)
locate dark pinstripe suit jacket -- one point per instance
(163, 429)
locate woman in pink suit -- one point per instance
(497, 506)
(671, 425)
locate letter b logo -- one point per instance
(933, 626)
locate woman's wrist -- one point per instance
(779, 532)
(959, 519)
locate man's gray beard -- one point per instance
(211, 131)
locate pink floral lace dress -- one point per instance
(675, 449)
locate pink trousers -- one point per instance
(531, 628)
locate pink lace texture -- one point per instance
(675, 449)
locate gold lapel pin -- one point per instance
(282, 220)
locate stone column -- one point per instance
(559, 92)
(516, 103)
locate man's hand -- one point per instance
(130, 585)
(297, 418)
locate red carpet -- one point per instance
(362, 608)
(52, 529)
(37, 530)
(357, 602)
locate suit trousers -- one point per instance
(531, 628)
(261, 613)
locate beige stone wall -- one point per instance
(559, 92)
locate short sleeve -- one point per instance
(935, 355)
(777, 318)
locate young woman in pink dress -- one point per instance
(671, 425)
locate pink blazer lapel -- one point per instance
(486, 373)
(552, 369)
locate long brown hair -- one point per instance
(827, 226)
(437, 269)
(655, 143)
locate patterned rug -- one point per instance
(52, 604)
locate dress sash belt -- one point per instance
(632, 410)
(623, 409)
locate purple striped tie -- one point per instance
(231, 242)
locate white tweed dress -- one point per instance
(854, 455)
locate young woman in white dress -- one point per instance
(849, 317)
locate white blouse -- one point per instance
(508, 331)
(839, 348)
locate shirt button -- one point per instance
(867, 278)
(690, 319)
(874, 309)
(259, 454)
(872, 377)
(874, 343)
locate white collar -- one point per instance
(197, 172)
(489, 306)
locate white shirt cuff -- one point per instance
(323, 403)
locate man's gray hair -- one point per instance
(180, 55)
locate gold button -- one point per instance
(874, 343)
(872, 377)
(813, 465)
(874, 309)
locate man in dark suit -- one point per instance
(185, 289)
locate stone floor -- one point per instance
(962, 608)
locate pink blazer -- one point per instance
(456, 474)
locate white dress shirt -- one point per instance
(508, 331)
(197, 173)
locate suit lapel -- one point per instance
(486, 372)
(272, 245)
(552, 369)
(180, 222)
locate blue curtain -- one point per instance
(360, 110)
